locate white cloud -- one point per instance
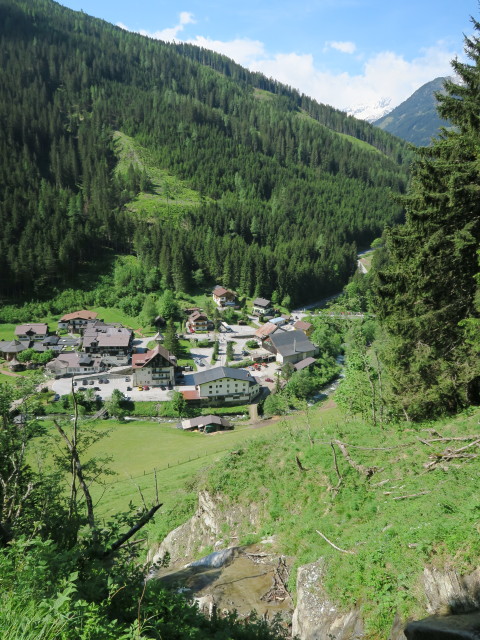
(242, 50)
(344, 47)
(186, 18)
(384, 75)
(168, 35)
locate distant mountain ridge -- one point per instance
(416, 119)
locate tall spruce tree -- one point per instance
(427, 292)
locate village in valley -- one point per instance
(231, 364)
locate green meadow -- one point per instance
(139, 449)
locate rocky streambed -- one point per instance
(237, 578)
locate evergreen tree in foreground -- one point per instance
(428, 299)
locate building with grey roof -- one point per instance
(261, 306)
(9, 350)
(226, 385)
(32, 331)
(74, 363)
(207, 424)
(290, 346)
(106, 340)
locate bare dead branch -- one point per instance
(79, 473)
(366, 471)
(412, 495)
(452, 439)
(335, 464)
(300, 465)
(126, 536)
(333, 545)
(451, 454)
(141, 495)
(381, 483)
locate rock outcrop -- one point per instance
(204, 529)
(316, 616)
(447, 591)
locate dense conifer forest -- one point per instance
(427, 290)
(287, 188)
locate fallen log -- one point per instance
(366, 471)
(412, 495)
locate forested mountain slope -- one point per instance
(416, 119)
(282, 198)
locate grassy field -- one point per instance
(137, 448)
(392, 521)
(18, 375)
(6, 331)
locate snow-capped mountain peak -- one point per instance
(370, 112)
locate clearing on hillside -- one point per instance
(168, 197)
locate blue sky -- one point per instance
(341, 52)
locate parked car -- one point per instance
(129, 388)
(74, 383)
(146, 387)
(268, 380)
(96, 388)
(91, 381)
(140, 388)
(84, 381)
(127, 379)
(163, 387)
(200, 363)
(56, 398)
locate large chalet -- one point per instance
(154, 368)
(77, 320)
(290, 346)
(108, 340)
(224, 297)
(225, 385)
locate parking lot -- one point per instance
(104, 390)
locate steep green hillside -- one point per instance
(228, 176)
(393, 499)
(416, 120)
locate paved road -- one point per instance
(140, 344)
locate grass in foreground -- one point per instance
(389, 525)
